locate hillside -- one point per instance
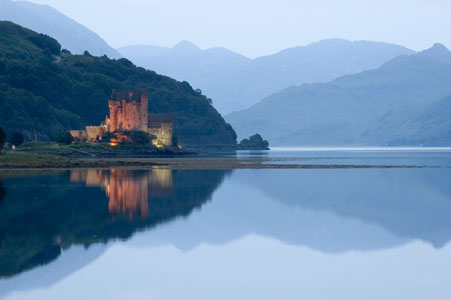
(347, 110)
(44, 91)
(235, 82)
(45, 19)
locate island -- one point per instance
(254, 142)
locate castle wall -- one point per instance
(164, 133)
(79, 135)
(93, 132)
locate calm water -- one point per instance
(232, 234)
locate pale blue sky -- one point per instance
(259, 27)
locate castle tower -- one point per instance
(128, 111)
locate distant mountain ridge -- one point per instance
(45, 19)
(203, 69)
(235, 82)
(360, 109)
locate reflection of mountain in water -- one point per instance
(332, 211)
(239, 210)
(43, 214)
(409, 203)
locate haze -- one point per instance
(261, 27)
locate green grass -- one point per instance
(53, 155)
(82, 148)
(20, 159)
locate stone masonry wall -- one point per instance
(129, 115)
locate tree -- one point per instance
(65, 138)
(16, 139)
(2, 138)
(140, 137)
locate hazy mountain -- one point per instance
(235, 82)
(343, 111)
(203, 69)
(45, 19)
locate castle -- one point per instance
(129, 112)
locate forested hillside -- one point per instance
(44, 91)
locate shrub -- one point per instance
(65, 138)
(16, 139)
(140, 137)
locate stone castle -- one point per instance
(129, 112)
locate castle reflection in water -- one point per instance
(128, 191)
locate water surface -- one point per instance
(232, 234)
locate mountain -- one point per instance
(44, 91)
(235, 82)
(348, 110)
(424, 125)
(45, 19)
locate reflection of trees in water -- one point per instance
(43, 214)
(2, 191)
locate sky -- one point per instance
(261, 27)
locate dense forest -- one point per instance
(45, 90)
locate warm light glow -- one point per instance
(119, 138)
(128, 195)
(158, 144)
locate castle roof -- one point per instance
(160, 118)
(127, 96)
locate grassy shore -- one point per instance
(93, 149)
(23, 160)
(47, 155)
